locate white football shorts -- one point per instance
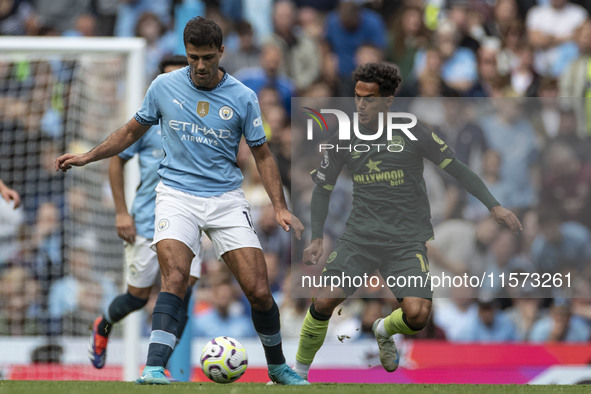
(225, 219)
(142, 263)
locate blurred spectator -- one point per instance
(574, 80)
(489, 325)
(505, 13)
(549, 28)
(349, 27)
(510, 133)
(462, 133)
(259, 13)
(61, 15)
(524, 313)
(407, 34)
(159, 41)
(458, 68)
(566, 184)
(106, 14)
(301, 60)
(293, 308)
(560, 247)
(468, 23)
(130, 11)
(488, 71)
(85, 25)
(268, 74)
(248, 53)
(273, 239)
(461, 246)
(525, 81)
(454, 314)
(17, 18)
(320, 5)
(19, 309)
(560, 325)
(491, 176)
(512, 39)
(226, 312)
(76, 298)
(545, 113)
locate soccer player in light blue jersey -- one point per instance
(137, 230)
(204, 112)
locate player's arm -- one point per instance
(318, 213)
(475, 186)
(269, 172)
(9, 194)
(123, 221)
(114, 144)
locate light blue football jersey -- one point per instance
(150, 154)
(201, 130)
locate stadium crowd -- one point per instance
(503, 82)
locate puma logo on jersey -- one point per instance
(178, 102)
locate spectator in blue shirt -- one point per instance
(560, 325)
(348, 28)
(489, 325)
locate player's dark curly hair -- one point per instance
(386, 75)
(174, 60)
(203, 32)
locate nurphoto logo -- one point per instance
(344, 129)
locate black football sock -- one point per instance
(267, 327)
(120, 307)
(165, 322)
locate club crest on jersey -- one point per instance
(202, 108)
(163, 224)
(226, 112)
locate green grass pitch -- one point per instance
(59, 387)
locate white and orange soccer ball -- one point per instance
(223, 360)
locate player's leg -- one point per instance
(315, 326)
(415, 301)
(176, 239)
(249, 268)
(142, 269)
(230, 228)
(347, 260)
(193, 278)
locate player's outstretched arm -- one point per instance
(271, 179)
(123, 220)
(475, 186)
(10, 195)
(114, 144)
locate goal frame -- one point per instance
(134, 52)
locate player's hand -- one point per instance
(65, 162)
(313, 252)
(125, 227)
(286, 219)
(10, 195)
(504, 216)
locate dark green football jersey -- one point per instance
(389, 195)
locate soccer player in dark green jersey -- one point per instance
(390, 220)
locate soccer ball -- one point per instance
(223, 360)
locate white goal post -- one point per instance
(130, 51)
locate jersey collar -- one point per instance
(220, 83)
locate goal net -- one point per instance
(60, 258)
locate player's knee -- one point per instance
(417, 313)
(259, 297)
(325, 306)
